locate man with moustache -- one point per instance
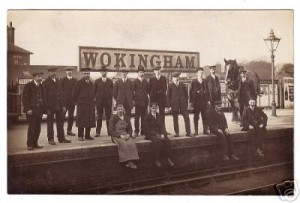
(34, 106)
(255, 120)
(140, 86)
(177, 100)
(103, 96)
(55, 106)
(67, 85)
(213, 85)
(158, 92)
(83, 97)
(198, 98)
(123, 92)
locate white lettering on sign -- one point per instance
(24, 81)
(115, 59)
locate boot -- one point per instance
(196, 128)
(205, 130)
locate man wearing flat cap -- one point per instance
(177, 100)
(103, 96)
(123, 92)
(67, 85)
(155, 132)
(34, 107)
(158, 92)
(213, 85)
(218, 126)
(55, 106)
(83, 97)
(246, 90)
(140, 86)
(199, 98)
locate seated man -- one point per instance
(255, 120)
(120, 129)
(218, 126)
(154, 131)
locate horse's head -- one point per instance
(232, 73)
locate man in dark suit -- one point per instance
(140, 86)
(83, 97)
(54, 106)
(177, 100)
(218, 126)
(34, 107)
(123, 92)
(103, 96)
(255, 120)
(213, 85)
(198, 98)
(154, 131)
(158, 92)
(67, 85)
(246, 90)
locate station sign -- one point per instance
(116, 59)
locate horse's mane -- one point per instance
(232, 74)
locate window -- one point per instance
(17, 59)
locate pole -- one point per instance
(273, 86)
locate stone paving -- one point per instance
(16, 140)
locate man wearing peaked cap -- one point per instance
(198, 99)
(177, 100)
(67, 85)
(103, 96)
(246, 90)
(34, 107)
(213, 85)
(55, 106)
(141, 89)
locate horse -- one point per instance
(232, 79)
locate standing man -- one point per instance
(198, 98)
(54, 106)
(158, 92)
(214, 88)
(123, 92)
(103, 96)
(154, 131)
(246, 90)
(218, 126)
(177, 100)
(34, 107)
(140, 86)
(67, 85)
(83, 97)
(255, 120)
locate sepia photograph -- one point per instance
(151, 102)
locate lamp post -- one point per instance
(272, 43)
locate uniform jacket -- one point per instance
(158, 89)
(53, 94)
(30, 98)
(246, 90)
(122, 91)
(254, 117)
(177, 97)
(103, 91)
(198, 91)
(83, 97)
(214, 88)
(216, 121)
(67, 86)
(153, 125)
(140, 92)
(112, 125)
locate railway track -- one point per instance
(169, 182)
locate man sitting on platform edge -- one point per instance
(218, 126)
(155, 132)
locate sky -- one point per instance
(55, 35)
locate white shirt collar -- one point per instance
(124, 79)
(213, 76)
(158, 77)
(54, 79)
(200, 80)
(69, 77)
(37, 84)
(141, 79)
(103, 79)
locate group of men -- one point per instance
(56, 97)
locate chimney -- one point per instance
(11, 33)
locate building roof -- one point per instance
(11, 48)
